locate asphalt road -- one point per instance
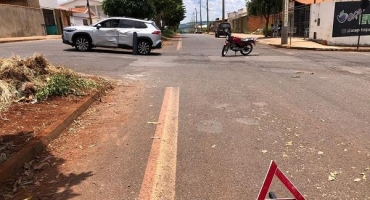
(307, 110)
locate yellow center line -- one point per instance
(160, 174)
(179, 45)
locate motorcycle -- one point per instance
(244, 45)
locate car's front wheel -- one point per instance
(82, 43)
(143, 47)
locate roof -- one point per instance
(92, 2)
(312, 1)
(82, 10)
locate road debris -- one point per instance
(290, 143)
(357, 180)
(333, 176)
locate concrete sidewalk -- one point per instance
(21, 39)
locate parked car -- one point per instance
(115, 32)
(222, 29)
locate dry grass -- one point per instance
(17, 74)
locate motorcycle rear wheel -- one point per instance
(224, 50)
(247, 49)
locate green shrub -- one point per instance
(63, 85)
(268, 33)
(168, 33)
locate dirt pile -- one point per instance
(34, 79)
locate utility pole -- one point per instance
(207, 18)
(284, 31)
(196, 20)
(193, 21)
(200, 14)
(223, 10)
(196, 16)
(88, 10)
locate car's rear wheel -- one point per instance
(82, 43)
(143, 47)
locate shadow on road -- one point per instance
(111, 51)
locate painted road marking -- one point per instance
(160, 174)
(179, 45)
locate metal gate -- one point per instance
(301, 20)
(50, 25)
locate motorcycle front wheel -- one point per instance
(224, 50)
(247, 49)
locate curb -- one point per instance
(20, 40)
(319, 49)
(10, 40)
(36, 146)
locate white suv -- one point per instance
(115, 32)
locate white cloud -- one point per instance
(214, 7)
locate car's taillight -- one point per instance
(156, 32)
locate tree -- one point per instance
(174, 15)
(129, 8)
(265, 8)
(169, 13)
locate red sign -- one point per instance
(274, 170)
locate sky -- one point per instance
(215, 8)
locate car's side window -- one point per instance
(140, 25)
(127, 24)
(113, 23)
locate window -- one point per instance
(113, 23)
(132, 24)
(140, 25)
(127, 24)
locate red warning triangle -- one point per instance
(274, 170)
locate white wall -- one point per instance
(77, 19)
(49, 3)
(325, 12)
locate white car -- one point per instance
(115, 32)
